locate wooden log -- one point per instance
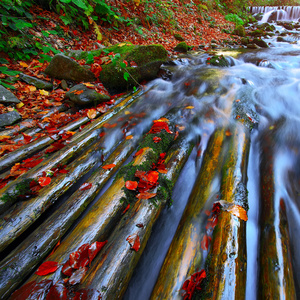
(10, 193)
(99, 222)
(183, 255)
(20, 216)
(23, 259)
(226, 262)
(111, 271)
(275, 272)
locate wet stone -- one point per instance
(9, 118)
(7, 97)
(40, 84)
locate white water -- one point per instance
(284, 13)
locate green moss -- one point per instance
(181, 47)
(240, 30)
(18, 190)
(218, 60)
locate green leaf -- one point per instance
(122, 65)
(7, 85)
(126, 76)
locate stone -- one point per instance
(240, 31)
(7, 97)
(178, 37)
(261, 43)
(87, 98)
(9, 118)
(63, 67)
(181, 47)
(40, 84)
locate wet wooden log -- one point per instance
(23, 260)
(111, 271)
(227, 259)
(183, 255)
(80, 141)
(275, 268)
(20, 216)
(99, 222)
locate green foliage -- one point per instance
(6, 71)
(234, 18)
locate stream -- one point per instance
(255, 98)
(270, 80)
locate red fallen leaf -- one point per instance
(43, 181)
(156, 139)
(190, 285)
(47, 267)
(125, 210)
(152, 176)
(4, 138)
(102, 134)
(29, 163)
(85, 186)
(145, 195)
(134, 241)
(108, 167)
(140, 174)
(87, 294)
(33, 290)
(158, 126)
(139, 152)
(140, 225)
(107, 125)
(79, 258)
(131, 185)
(67, 269)
(58, 291)
(27, 137)
(55, 247)
(94, 249)
(205, 242)
(133, 64)
(77, 276)
(55, 146)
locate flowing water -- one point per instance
(261, 89)
(269, 79)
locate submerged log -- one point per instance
(11, 192)
(100, 220)
(275, 268)
(111, 271)
(183, 255)
(226, 261)
(25, 258)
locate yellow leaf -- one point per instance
(88, 84)
(71, 132)
(92, 113)
(122, 44)
(23, 64)
(44, 93)
(189, 107)
(127, 112)
(129, 137)
(32, 88)
(4, 138)
(19, 105)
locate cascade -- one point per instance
(282, 13)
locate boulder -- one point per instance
(240, 31)
(82, 95)
(261, 43)
(143, 63)
(7, 97)
(9, 118)
(40, 84)
(178, 37)
(63, 67)
(182, 47)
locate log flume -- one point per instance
(194, 179)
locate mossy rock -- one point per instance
(245, 41)
(38, 83)
(261, 43)
(266, 27)
(257, 32)
(182, 47)
(143, 64)
(218, 60)
(178, 37)
(63, 67)
(240, 31)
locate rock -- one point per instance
(245, 41)
(182, 47)
(7, 97)
(261, 43)
(281, 39)
(257, 32)
(63, 67)
(218, 60)
(87, 98)
(240, 30)
(178, 37)
(143, 64)
(40, 84)
(9, 118)
(252, 46)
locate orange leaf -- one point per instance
(205, 242)
(131, 185)
(129, 137)
(152, 176)
(145, 195)
(47, 267)
(134, 241)
(139, 152)
(127, 207)
(43, 181)
(108, 167)
(4, 138)
(234, 209)
(92, 113)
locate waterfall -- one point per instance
(278, 13)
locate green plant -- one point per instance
(234, 18)
(6, 71)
